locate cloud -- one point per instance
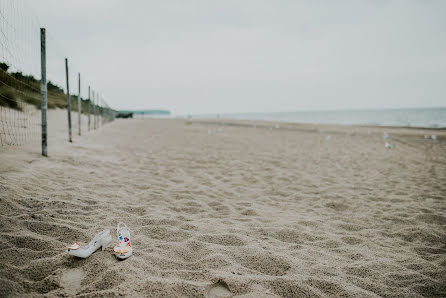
(251, 56)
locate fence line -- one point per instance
(19, 123)
(29, 83)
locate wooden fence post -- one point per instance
(43, 90)
(79, 105)
(68, 101)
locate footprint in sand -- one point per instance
(71, 280)
(218, 290)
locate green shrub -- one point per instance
(8, 99)
(4, 66)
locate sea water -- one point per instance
(414, 117)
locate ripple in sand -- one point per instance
(217, 290)
(71, 280)
(264, 263)
(225, 240)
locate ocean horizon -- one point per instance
(433, 117)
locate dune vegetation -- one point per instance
(17, 89)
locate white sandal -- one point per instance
(100, 240)
(124, 250)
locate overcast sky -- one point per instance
(255, 56)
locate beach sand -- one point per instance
(218, 208)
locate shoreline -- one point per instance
(323, 128)
(229, 121)
(427, 117)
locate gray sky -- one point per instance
(255, 56)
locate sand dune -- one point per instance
(218, 210)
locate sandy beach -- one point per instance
(227, 208)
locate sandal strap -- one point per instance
(124, 227)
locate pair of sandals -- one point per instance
(101, 240)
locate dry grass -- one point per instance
(17, 88)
